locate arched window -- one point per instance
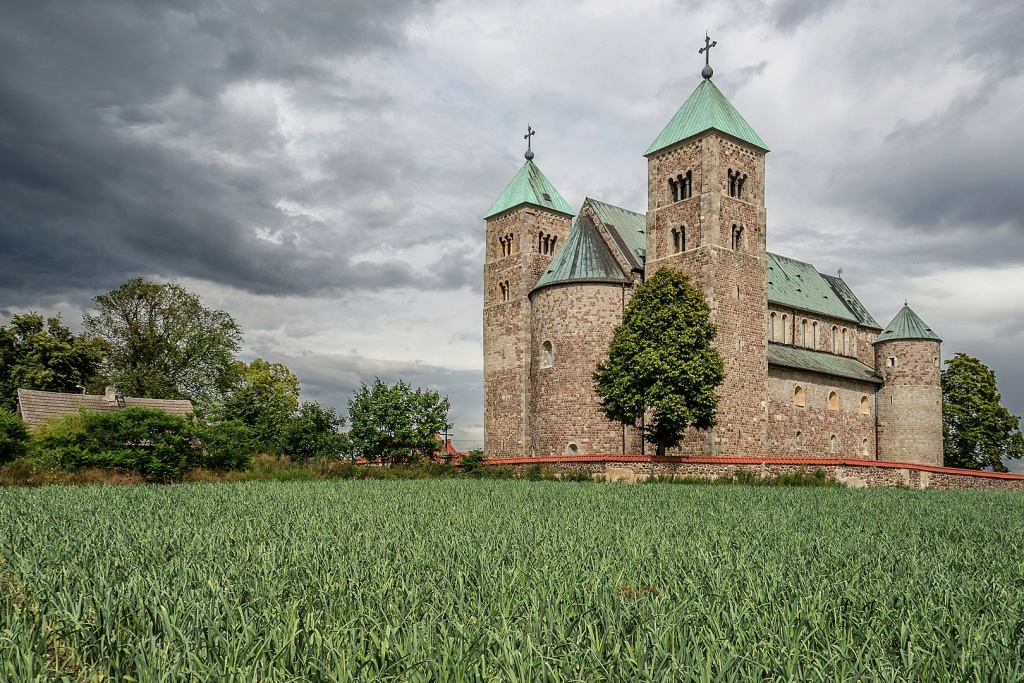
(673, 188)
(552, 246)
(737, 237)
(835, 339)
(501, 291)
(771, 327)
(845, 347)
(799, 438)
(865, 405)
(833, 444)
(803, 333)
(799, 397)
(547, 355)
(833, 400)
(814, 334)
(677, 240)
(864, 448)
(571, 449)
(687, 185)
(740, 179)
(785, 332)
(732, 183)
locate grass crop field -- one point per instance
(462, 580)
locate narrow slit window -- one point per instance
(833, 400)
(799, 397)
(547, 355)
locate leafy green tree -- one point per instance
(662, 363)
(264, 396)
(314, 433)
(163, 343)
(227, 445)
(13, 436)
(977, 431)
(395, 423)
(44, 354)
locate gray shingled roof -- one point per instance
(583, 258)
(36, 407)
(629, 225)
(906, 325)
(820, 362)
(797, 284)
(847, 296)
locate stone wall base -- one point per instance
(853, 473)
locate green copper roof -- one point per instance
(706, 108)
(630, 226)
(583, 258)
(797, 284)
(858, 309)
(797, 358)
(529, 186)
(906, 325)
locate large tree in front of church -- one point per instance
(662, 362)
(977, 431)
(164, 343)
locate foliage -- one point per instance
(227, 446)
(661, 362)
(473, 461)
(157, 445)
(977, 431)
(480, 580)
(44, 354)
(263, 396)
(13, 436)
(801, 477)
(314, 434)
(395, 423)
(163, 343)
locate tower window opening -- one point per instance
(677, 240)
(890, 399)
(799, 438)
(740, 179)
(572, 449)
(890, 362)
(803, 333)
(845, 345)
(833, 443)
(865, 405)
(737, 237)
(814, 334)
(833, 400)
(835, 339)
(864, 448)
(551, 244)
(799, 396)
(732, 183)
(673, 189)
(547, 355)
(771, 327)
(785, 336)
(688, 185)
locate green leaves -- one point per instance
(662, 359)
(13, 436)
(977, 431)
(314, 432)
(395, 423)
(263, 396)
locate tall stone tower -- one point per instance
(706, 216)
(526, 226)
(907, 357)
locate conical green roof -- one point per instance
(583, 258)
(706, 108)
(906, 325)
(529, 186)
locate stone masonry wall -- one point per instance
(819, 337)
(910, 403)
(578, 320)
(807, 430)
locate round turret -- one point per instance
(907, 358)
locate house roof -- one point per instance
(529, 186)
(584, 257)
(704, 109)
(851, 301)
(36, 407)
(629, 225)
(797, 284)
(820, 362)
(906, 325)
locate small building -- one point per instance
(37, 407)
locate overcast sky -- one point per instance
(320, 169)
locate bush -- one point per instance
(473, 462)
(313, 434)
(13, 437)
(151, 442)
(227, 446)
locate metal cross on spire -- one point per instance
(530, 132)
(706, 51)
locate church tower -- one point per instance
(706, 217)
(526, 226)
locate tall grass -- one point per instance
(512, 580)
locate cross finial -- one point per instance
(706, 51)
(840, 272)
(530, 132)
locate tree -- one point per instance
(163, 343)
(661, 360)
(314, 434)
(264, 396)
(977, 431)
(44, 354)
(13, 436)
(395, 423)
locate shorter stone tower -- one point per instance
(909, 414)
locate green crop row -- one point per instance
(509, 580)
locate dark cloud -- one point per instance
(788, 15)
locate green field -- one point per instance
(463, 580)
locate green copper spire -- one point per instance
(907, 325)
(529, 186)
(704, 109)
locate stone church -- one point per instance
(809, 371)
